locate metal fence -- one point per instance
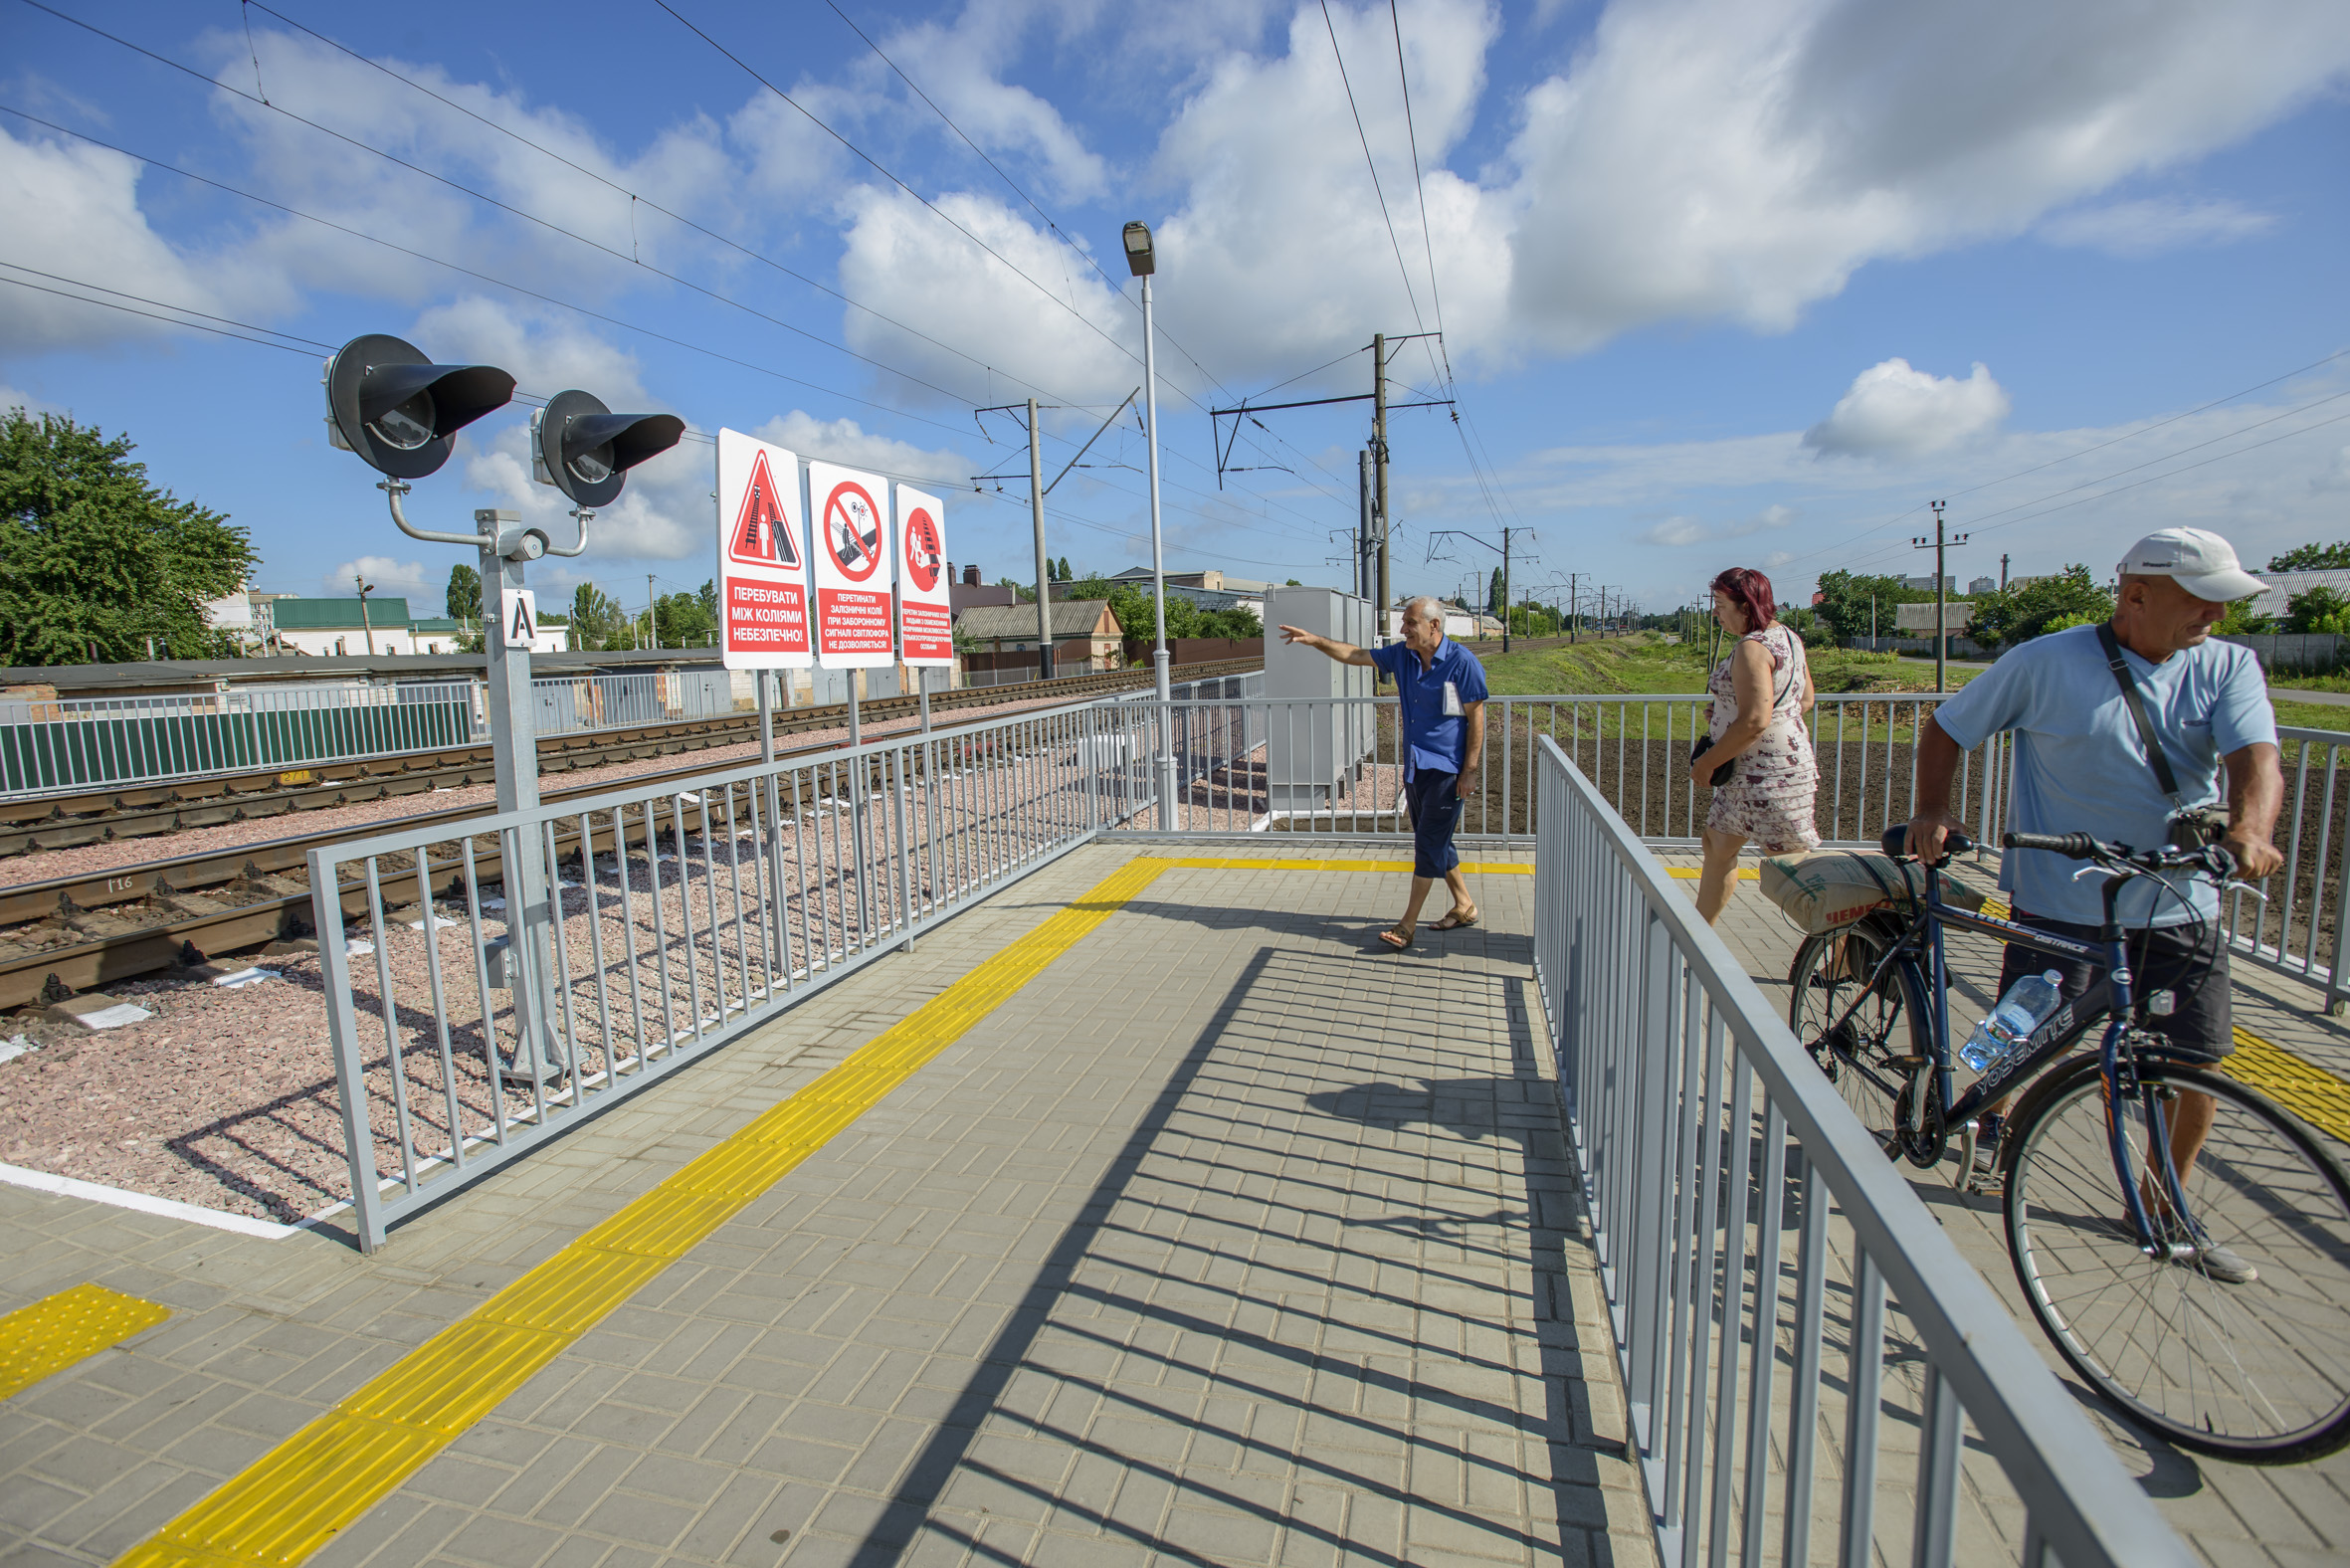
(488, 989)
(1707, 1198)
(53, 744)
(2300, 929)
(1334, 766)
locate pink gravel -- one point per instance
(226, 1099)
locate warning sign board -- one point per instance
(762, 557)
(851, 558)
(926, 621)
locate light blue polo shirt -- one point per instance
(1434, 702)
(2081, 768)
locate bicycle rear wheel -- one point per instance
(1828, 980)
(2257, 1371)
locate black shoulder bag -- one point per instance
(2191, 827)
(1704, 743)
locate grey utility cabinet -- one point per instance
(1320, 718)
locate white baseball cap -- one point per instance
(2200, 561)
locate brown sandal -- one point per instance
(1454, 920)
(1397, 941)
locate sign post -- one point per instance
(763, 615)
(925, 619)
(853, 573)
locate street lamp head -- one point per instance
(584, 450)
(397, 410)
(1141, 260)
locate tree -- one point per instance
(1292, 583)
(1847, 598)
(2312, 559)
(680, 620)
(2023, 611)
(597, 620)
(1063, 574)
(708, 595)
(93, 556)
(465, 593)
(2316, 608)
(1493, 595)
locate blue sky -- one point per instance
(1722, 282)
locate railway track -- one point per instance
(136, 811)
(71, 934)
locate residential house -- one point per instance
(1084, 632)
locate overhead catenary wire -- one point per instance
(1262, 499)
(636, 198)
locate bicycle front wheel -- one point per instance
(1854, 1030)
(2254, 1369)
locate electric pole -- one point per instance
(366, 624)
(2003, 572)
(1574, 622)
(1379, 458)
(1940, 544)
(652, 614)
(1036, 515)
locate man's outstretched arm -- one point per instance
(1344, 652)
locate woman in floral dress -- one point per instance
(1761, 694)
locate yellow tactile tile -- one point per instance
(59, 1331)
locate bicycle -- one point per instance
(2123, 1267)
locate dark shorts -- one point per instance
(1435, 812)
(2201, 1025)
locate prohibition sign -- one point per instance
(853, 530)
(924, 556)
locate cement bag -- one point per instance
(1831, 887)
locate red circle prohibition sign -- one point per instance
(924, 556)
(853, 530)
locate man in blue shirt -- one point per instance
(1441, 689)
(2082, 769)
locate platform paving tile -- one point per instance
(1231, 1239)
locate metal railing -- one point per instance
(2299, 931)
(1705, 1197)
(52, 744)
(467, 1031)
(1333, 766)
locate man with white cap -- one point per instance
(2081, 767)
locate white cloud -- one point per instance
(74, 210)
(961, 65)
(1894, 411)
(844, 442)
(545, 351)
(1682, 529)
(1740, 158)
(33, 406)
(2153, 225)
(392, 578)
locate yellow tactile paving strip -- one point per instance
(2308, 1092)
(59, 1331)
(298, 1496)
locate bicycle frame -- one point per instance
(2110, 996)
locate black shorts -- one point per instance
(2201, 1025)
(1435, 812)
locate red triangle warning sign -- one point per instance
(763, 533)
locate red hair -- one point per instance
(1750, 590)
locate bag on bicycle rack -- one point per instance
(1827, 889)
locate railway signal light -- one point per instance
(584, 450)
(398, 409)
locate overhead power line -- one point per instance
(472, 272)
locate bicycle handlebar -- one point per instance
(2216, 859)
(2073, 846)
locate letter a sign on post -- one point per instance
(853, 568)
(762, 556)
(518, 610)
(926, 622)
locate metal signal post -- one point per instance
(1940, 546)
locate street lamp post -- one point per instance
(1142, 261)
(366, 624)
